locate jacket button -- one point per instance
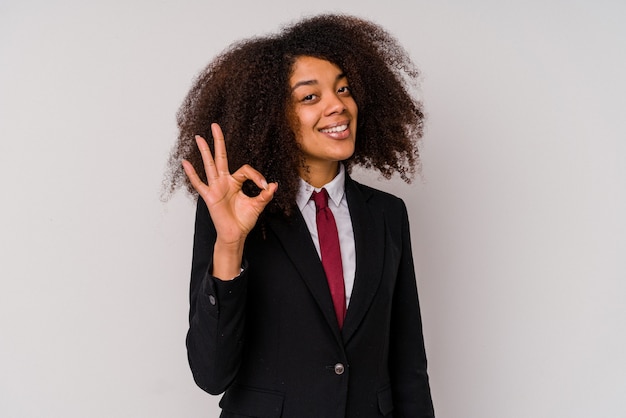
(212, 300)
(339, 369)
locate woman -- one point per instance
(303, 294)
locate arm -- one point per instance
(407, 364)
(224, 217)
(216, 314)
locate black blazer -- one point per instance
(270, 338)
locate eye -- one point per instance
(345, 90)
(309, 98)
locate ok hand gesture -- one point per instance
(232, 211)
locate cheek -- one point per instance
(305, 119)
(298, 124)
(294, 119)
(354, 109)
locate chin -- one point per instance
(346, 154)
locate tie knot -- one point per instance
(321, 199)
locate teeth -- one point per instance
(339, 128)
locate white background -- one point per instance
(518, 224)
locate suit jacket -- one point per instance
(270, 337)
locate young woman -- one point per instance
(303, 293)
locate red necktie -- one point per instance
(331, 255)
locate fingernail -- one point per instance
(264, 184)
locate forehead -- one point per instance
(307, 68)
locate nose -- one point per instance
(334, 105)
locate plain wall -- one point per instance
(518, 223)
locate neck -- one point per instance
(319, 175)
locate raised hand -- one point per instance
(233, 213)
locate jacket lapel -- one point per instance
(296, 241)
(369, 233)
(369, 241)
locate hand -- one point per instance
(233, 213)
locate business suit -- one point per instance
(270, 337)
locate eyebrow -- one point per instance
(314, 82)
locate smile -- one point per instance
(334, 129)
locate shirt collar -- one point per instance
(335, 188)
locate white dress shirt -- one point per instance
(339, 207)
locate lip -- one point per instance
(338, 136)
(332, 125)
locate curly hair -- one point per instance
(246, 90)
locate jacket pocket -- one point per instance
(385, 401)
(252, 402)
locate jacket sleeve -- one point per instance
(409, 379)
(216, 314)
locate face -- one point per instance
(326, 113)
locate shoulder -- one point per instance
(376, 197)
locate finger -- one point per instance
(207, 159)
(193, 177)
(265, 197)
(246, 172)
(221, 159)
